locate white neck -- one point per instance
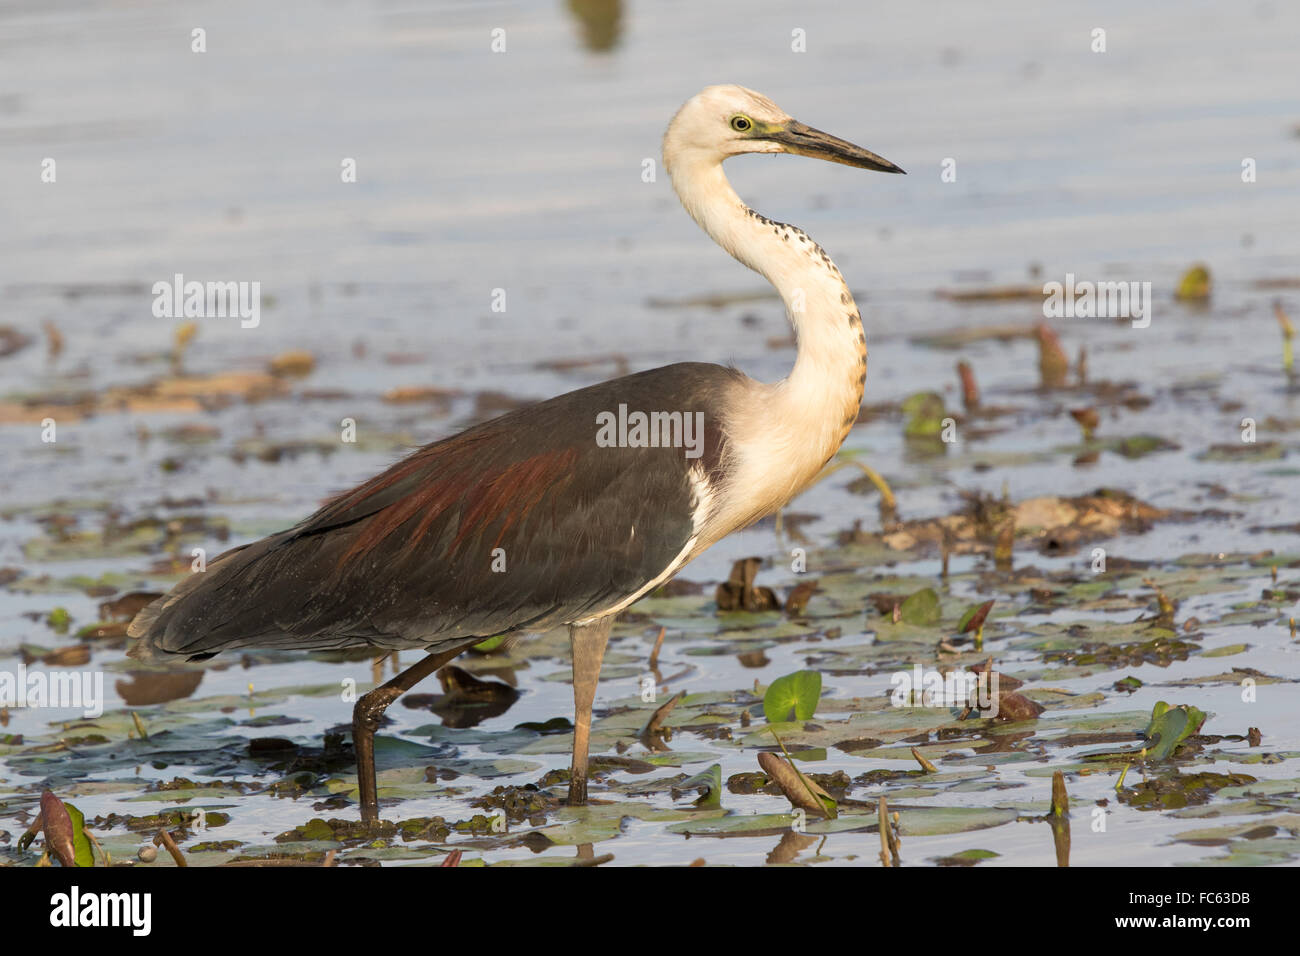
(785, 432)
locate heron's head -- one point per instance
(723, 121)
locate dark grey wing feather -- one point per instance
(520, 523)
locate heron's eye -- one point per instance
(741, 124)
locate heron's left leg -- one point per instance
(588, 643)
(367, 713)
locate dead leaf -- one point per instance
(801, 791)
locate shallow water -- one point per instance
(522, 171)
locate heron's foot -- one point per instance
(578, 790)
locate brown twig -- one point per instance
(889, 855)
(104, 854)
(163, 838)
(657, 718)
(970, 393)
(1060, 799)
(654, 653)
(925, 764)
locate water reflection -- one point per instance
(152, 687)
(600, 23)
(466, 701)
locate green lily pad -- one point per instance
(792, 697)
(1169, 727)
(709, 785)
(913, 821)
(921, 609)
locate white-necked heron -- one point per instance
(587, 525)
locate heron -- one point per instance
(537, 519)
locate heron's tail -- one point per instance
(154, 630)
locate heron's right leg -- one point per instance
(365, 721)
(588, 642)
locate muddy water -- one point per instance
(523, 171)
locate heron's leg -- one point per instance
(365, 721)
(588, 642)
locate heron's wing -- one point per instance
(524, 522)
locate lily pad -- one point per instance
(792, 697)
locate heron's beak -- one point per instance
(805, 141)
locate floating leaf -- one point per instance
(1169, 727)
(1244, 452)
(1139, 446)
(798, 788)
(1013, 707)
(708, 783)
(921, 608)
(798, 692)
(925, 413)
(914, 821)
(966, 858)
